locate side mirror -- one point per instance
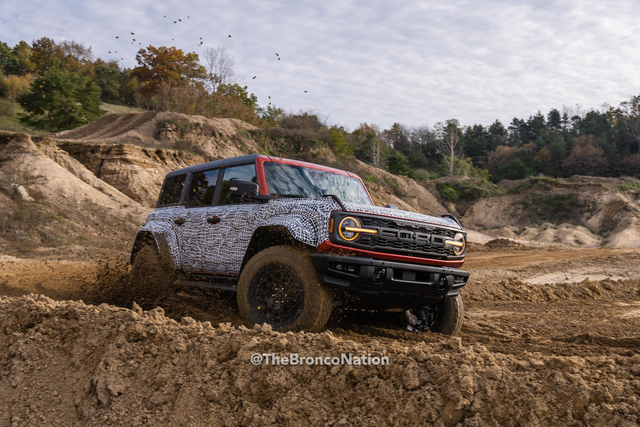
(243, 189)
(391, 206)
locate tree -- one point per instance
(398, 164)
(219, 68)
(60, 100)
(338, 141)
(44, 54)
(108, 78)
(240, 93)
(632, 109)
(20, 62)
(449, 145)
(6, 57)
(272, 115)
(515, 169)
(374, 149)
(586, 158)
(166, 64)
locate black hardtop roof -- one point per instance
(249, 158)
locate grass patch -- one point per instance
(467, 191)
(9, 118)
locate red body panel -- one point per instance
(327, 246)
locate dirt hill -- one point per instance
(133, 153)
(49, 204)
(551, 211)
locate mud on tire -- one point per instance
(449, 316)
(279, 286)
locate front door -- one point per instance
(228, 238)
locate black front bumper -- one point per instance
(382, 285)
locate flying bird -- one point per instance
(175, 22)
(165, 16)
(179, 19)
(109, 51)
(254, 77)
(229, 35)
(245, 87)
(134, 39)
(277, 54)
(117, 37)
(269, 97)
(305, 91)
(132, 34)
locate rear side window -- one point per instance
(203, 185)
(171, 190)
(244, 172)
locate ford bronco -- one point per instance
(293, 239)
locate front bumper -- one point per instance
(384, 285)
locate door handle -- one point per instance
(213, 220)
(179, 221)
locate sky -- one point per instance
(412, 62)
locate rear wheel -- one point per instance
(445, 317)
(280, 287)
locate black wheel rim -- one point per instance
(277, 292)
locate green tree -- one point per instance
(240, 93)
(20, 62)
(515, 169)
(272, 115)
(108, 78)
(60, 100)
(398, 164)
(338, 141)
(6, 57)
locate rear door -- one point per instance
(165, 217)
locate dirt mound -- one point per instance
(62, 204)
(211, 138)
(504, 244)
(108, 126)
(588, 214)
(136, 171)
(66, 363)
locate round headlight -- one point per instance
(345, 224)
(459, 237)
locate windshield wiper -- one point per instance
(297, 196)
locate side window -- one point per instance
(203, 185)
(244, 172)
(171, 190)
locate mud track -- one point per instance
(581, 326)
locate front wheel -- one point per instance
(280, 287)
(445, 317)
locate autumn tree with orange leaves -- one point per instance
(157, 65)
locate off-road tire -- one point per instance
(313, 302)
(449, 316)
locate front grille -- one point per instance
(402, 237)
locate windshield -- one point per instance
(300, 181)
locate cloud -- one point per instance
(411, 62)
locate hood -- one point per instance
(396, 213)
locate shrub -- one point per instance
(13, 86)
